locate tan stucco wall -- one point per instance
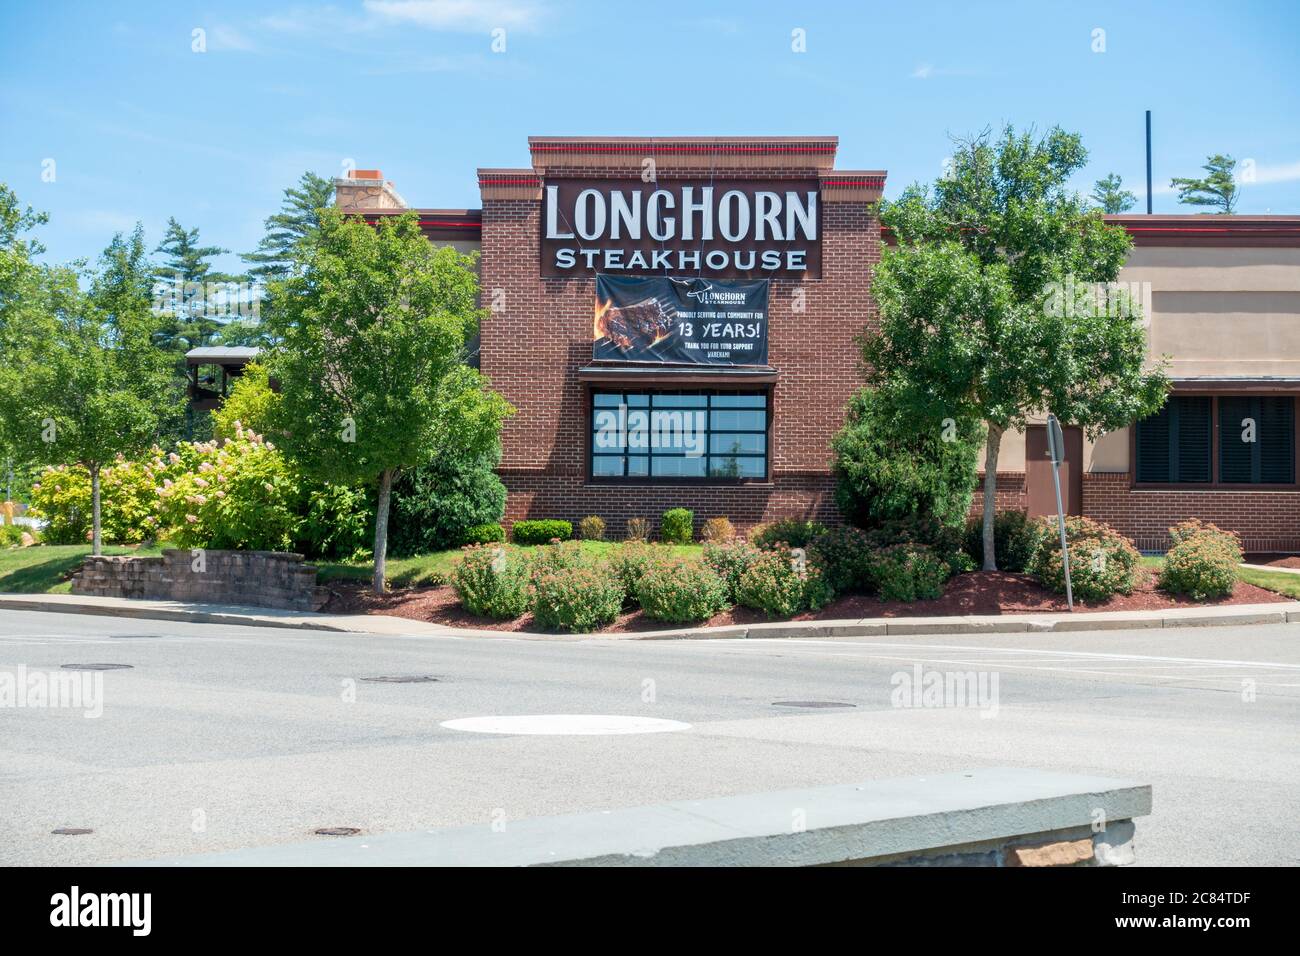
(1220, 311)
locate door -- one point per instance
(1038, 471)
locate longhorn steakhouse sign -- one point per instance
(680, 321)
(743, 229)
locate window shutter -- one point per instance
(1191, 445)
(1153, 446)
(1236, 457)
(1276, 434)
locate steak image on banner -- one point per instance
(680, 321)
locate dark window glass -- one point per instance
(1257, 440)
(679, 434)
(1173, 446)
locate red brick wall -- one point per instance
(533, 346)
(1267, 521)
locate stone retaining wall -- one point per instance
(259, 578)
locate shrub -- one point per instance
(485, 534)
(677, 526)
(127, 501)
(1103, 562)
(1202, 563)
(339, 522)
(1016, 540)
(890, 465)
(794, 532)
(540, 531)
(718, 530)
(729, 560)
(250, 404)
(781, 584)
(241, 494)
(592, 528)
(681, 592)
(629, 562)
(11, 535)
(558, 556)
(435, 505)
(845, 552)
(908, 572)
(580, 598)
(638, 529)
(492, 581)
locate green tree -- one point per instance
(297, 221)
(1217, 188)
(184, 281)
(88, 383)
(1111, 197)
(888, 465)
(370, 329)
(251, 403)
(973, 320)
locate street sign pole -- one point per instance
(1056, 448)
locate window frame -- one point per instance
(1214, 484)
(589, 399)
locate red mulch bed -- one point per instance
(983, 592)
(1275, 560)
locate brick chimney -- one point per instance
(365, 190)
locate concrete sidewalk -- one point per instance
(1230, 615)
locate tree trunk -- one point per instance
(991, 448)
(96, 536)
(381, 528)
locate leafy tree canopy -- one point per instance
(1218, 188)
(1111, 197)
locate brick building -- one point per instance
(1222, 296)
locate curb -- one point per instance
(1282, 612)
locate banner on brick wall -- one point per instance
(680, 321)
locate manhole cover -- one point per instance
(417, 679)
(812, 704)
(336, 831)
(565, 725)
(72, 831)
(97, 667)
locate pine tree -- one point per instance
(183, 280)
(298, 218)
(1111, 196)
(1218, 188)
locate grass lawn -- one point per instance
(434, 568)
(45, 569)
(1279, 581)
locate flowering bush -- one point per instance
(1202, 563)
(782, 582)
(240, 494)
(491, 581)
(729, 561)
(580, 598)
(1102, 561)
(558, 556)
(1016, 540)
(638, 529)
(630, 560)
(846, 553)
(681, 592)
(126, 501)
(794, 532)
(908, 572)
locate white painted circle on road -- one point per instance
(584, 725)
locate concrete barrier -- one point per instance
(991, 817)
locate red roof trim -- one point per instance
(680, 148)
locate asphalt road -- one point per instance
(222, 737)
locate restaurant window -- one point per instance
(1253, 444)
(679, 435)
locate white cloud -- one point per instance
(1284, 173)
(229, 39)
(923, 72)
(468, 16)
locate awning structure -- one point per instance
(678, 376)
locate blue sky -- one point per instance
(140, 126)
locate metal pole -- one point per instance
(1057, 451)
(1148, 162)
